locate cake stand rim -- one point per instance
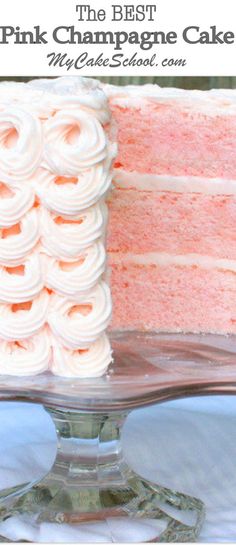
(126, 405)
(149, 368)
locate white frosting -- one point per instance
(14, 249)
(26, 357)
(20, 158)
(44, 97)
(74, 329)
(14, 206)
(17, 288)
(52, 227)
(175, 184)
(71, 92)
(212, 102)
(66, 153)
(66, 240)
(70, 198)
(92, 362)
(22, 323)
(70, 279)
(163, 259)
(19, 94)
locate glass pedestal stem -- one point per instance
(89, 448)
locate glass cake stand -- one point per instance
(90, 480)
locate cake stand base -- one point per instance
(90, 482)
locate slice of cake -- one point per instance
(171, 236)
(55, 171)
(172, 230)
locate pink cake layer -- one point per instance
(173, 298)
(175, 137)
(176, 223)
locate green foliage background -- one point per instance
(184, 82)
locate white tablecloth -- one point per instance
(188, 445)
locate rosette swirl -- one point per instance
(68, 196)
(18, 286)
(71, 278)
(20, 144)
(73, 141)
(71, 323)
(15, 204)
(15, 247)
(64, 238)
(92, 362)
(18, 321)
(26, 357)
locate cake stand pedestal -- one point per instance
(90, 480)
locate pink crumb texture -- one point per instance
(173, 298)
(171, 138)
(175, 223)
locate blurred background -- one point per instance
(183, 82)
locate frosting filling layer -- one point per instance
(176, 184)
(164, 259)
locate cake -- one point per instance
(55, 172)
(172, 231)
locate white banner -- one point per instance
(104, 37)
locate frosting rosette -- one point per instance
(18, 240)
(26, 357)
(14, 203)
(65, 238)
(20, 144)
(85, 363)
(21, 320)
(79, 322)
(69, 195)
(73, 141)
(22, 283)
(72, 278)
